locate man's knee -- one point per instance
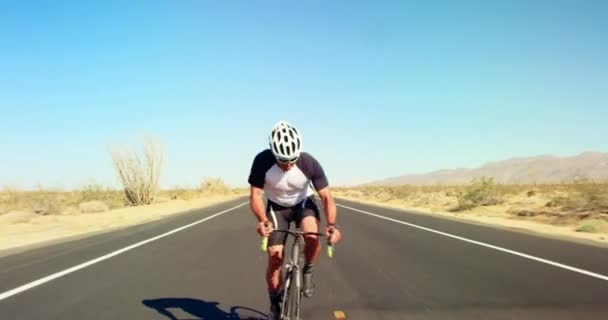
(310, 224)
(275, 256)
(311, 238)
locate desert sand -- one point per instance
(26, 229)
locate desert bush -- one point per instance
(214, 186)
(139, 174)
(93, 206)
(583, 195)
(97, 192)
(593, 226)
(594, 194)
(481, 192)
(70, 211)
(399, 192)
(43, 202)
(181, 193)
(9, 200)
(240, 190)
(47, 205)
(17, 216)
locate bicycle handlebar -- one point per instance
(330, 248)
(298, 233)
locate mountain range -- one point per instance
(539, 169)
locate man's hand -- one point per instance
(264, 228)
(333, 234)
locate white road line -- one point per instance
(46, 279)
(523, 255)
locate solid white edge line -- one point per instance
(527, 256)
(46, 279)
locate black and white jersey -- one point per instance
(287, 188)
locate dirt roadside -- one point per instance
(496, 217)
(26, 229)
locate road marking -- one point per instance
(54, 276)
(523, 255)
(339, 315)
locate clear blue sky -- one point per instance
(378, 88)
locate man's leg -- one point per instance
(311, 252)
(312, 249)
(276, 243)
(273, 279)
(273, 272)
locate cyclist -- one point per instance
(284, 175)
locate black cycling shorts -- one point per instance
(281, 217)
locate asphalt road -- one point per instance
(383, 269)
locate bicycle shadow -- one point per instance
(202, 310)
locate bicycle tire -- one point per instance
(293, 298)
(285, 298)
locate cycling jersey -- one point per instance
(287, 188)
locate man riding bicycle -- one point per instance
(284, 175)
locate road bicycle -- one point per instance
(291, 286)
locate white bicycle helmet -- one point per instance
(285, 141)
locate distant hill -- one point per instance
(541, 169)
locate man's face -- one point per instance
(286, 166)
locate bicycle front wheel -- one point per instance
(293, 297)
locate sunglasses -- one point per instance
(281, 161)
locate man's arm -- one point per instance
(329, 205)
(256, 202)
(331, 231)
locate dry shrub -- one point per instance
(214, 186)
(93, 207)
(593, 226)
(9, 200)
(179, 193)
(43, 202)
(17, 216)
(481, 192)
(240, 190)
(70, 211)
(96, 192)
(583, 196)
(139, 172)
